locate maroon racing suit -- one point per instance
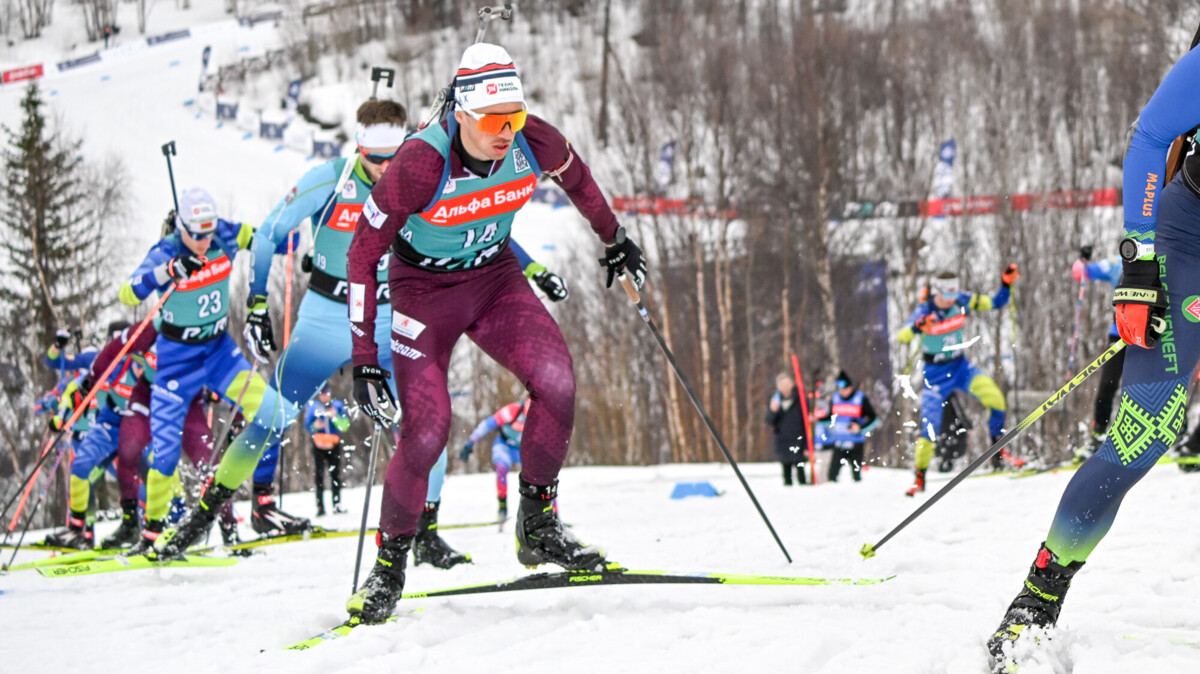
(492, 304)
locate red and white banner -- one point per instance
(26, 73)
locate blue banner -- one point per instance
(227, 110)
(249, 21)
(555, 197)
(167, 37)
(327, 148)
(81, 61)
(270, 130)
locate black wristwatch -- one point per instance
(1132, 250)
(618, 238)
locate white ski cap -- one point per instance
(198, 212)
(487, 76)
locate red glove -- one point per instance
(1140, 304)
(1010, 275)
(1079, 270)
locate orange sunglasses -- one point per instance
(493, 123)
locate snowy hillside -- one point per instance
(1133, 608)
(956, 569)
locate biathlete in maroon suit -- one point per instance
(445, 209)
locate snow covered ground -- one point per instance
(956, 570)
(957, 567)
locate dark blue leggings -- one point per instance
(1154, 397)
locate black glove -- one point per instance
(372, 394)
(260, 338)
(465, 454)
(623, 256)
(553, 285)
(306, 263)
(1140, 303)
(1085, 253)
(181, 267)
(61, 337)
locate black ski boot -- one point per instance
(268, 519)
(1037, 605)
(77, 536)
(229, 532)
(127, 533)
(145, 543)
(502, 511)
(541, 538)
(377, 597)
(429, 548)
(197, 523)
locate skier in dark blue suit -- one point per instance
(1158, 314)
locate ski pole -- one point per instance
(362, 529)
(869, 550)
(1078, 318)
(1012, 312)
(33, 512)
(634, 297)
(287, 335)
(808, 427)
(168, 149)
(219, 448)
(87, 399)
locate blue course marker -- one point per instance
(105, 78)
(190, 101)
(248, 136)
(172, 64)
(278, 148)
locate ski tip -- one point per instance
(867, 551)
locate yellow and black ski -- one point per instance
(131, 563)
(612, 575)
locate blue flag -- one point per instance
(664, 173)
(943, 175)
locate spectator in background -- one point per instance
(325, 419)
(851, 418)
(784, 416)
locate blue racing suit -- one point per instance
(195, 351)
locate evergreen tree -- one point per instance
(53, 261)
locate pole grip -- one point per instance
(630, 289)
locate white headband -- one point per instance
(945, 286)
(380, 135)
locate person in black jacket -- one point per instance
(785, 417)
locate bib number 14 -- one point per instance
(489, 233)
